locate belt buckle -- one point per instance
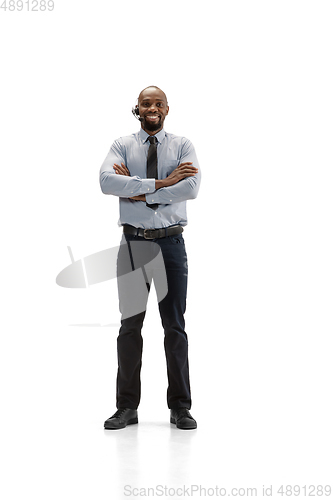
(146, 232)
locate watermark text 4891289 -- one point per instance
(26, 5)
(195, 490)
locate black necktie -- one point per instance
(152, 164)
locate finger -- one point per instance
(182, 167)
(187, 173)
(185, 163)
(188, 169)
(120, 170)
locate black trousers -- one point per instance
(132, 303)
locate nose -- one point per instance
(152, 107)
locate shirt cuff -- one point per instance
(152, 198)
(148, 186)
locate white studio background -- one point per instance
(250, 84)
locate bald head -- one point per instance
(152, 87)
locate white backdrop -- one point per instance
(250, 84)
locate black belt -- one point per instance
(151, 234)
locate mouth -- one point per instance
(152, 118)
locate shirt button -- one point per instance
(155, 213)
(170, 200)
(148, 189)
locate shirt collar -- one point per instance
(144, 136)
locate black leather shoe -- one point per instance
(182, 418)
(122, 417)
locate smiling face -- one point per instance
(153, 108)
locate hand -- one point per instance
(121, 170)
(183, 170)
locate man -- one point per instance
(153, 173)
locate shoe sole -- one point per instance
(173, 421)
(131, 421)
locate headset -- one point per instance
(135, 111)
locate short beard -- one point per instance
(152, 127)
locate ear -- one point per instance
(167, 110)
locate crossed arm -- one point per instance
(183, 170)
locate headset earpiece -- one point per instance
(135, 111)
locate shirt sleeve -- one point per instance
(121, 185)
(187, 188)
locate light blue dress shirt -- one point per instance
(132, 150)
